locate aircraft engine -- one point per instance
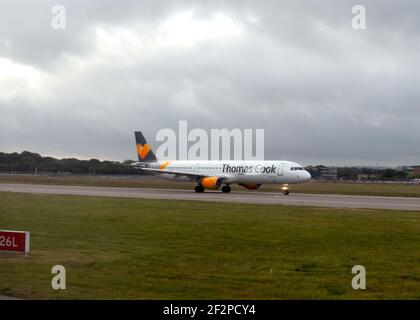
(211, 183)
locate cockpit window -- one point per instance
(296, 168)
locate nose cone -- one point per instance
(306, 176)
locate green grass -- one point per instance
(159, 249)
(364, 189)
(372, 189)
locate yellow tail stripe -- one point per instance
(164, 165)
(142, 151)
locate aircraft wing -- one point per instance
(179, 173)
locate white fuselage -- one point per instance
(242, 172)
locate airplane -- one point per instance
(220, 174)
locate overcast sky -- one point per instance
(323, 92)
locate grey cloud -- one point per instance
(323, 92)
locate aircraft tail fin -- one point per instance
(144, 151)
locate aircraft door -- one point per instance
(280, 168)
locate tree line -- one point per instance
(367, 174)
(28, 162)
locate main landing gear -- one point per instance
(226, 189)
(199, 189)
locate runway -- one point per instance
(255, 197)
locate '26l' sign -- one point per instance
(14, 241)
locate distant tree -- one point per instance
(348, 173)
(32, 162)
(391, 174)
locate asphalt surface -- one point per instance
(8, 298)
(255, 197)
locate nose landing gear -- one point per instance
(285, 189)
